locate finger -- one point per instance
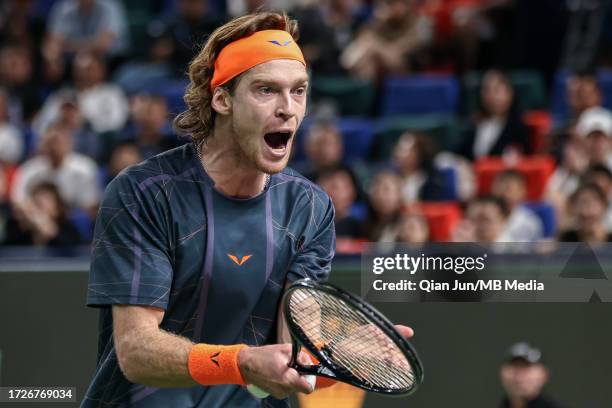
(298, 383)
(405, 331)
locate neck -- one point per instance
(517, 402)
(233, 174)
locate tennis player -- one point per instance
(194, 247)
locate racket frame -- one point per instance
(327, 367)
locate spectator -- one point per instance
(341, 187)
(385, 207)
(102, 104)
(75, 175)
(150, 129)
(498, 128)
(41, 220)
(16, 76)
(566, 179)
(184, 31)
(485, 221)
(583, 92)
(413, 157)
(588, 206)
(523, 376)
(124, 154)
(324, 149)
(5, 210)
(20, 25)
(390, 43)
(601, 176)
(413, 229)
(93, 26)
(523, 224)
(86, 141)
(325, 29)
(594, 129)
(11, 139)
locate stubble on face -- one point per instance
(255, 113)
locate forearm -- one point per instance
(156, 358)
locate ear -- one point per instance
(221, 101)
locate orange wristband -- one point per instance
(211, 364)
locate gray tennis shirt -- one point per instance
(164, 237)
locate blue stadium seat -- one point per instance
(547, 214)
(420, 94)
(83, 224)
(172, 91)
(449, 192)
(357, 135)
(359, 210)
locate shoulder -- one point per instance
(77, 161)
(292, 182)
(33, 165)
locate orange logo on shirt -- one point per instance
(239, 262)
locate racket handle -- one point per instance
(259, 393)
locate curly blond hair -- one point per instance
(199, 118)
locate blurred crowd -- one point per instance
(430, 120)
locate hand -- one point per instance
(268, 368)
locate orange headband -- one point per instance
(245, 53)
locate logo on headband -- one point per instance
(279, 44)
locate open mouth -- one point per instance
(277, 140)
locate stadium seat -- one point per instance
(350, 246)
(359, 210)
(546, 213)
(536, 169)
(442, 128)
(172, 91)
(539, 123)
(357, 135)
(352, 97)
(83, 224)
(449, 193)
(442, 218)
(528, 85)
(420, 94)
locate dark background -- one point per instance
(48, 338)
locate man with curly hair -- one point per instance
(193, 248)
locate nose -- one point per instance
(286, 106)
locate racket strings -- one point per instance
(350, 339)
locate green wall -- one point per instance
(48, 337)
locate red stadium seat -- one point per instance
(350, 246)
(442, 218)
(539, 123)
(537, 170)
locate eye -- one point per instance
(266, 90)
(300, 91)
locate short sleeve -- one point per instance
(315, 256)
(130, 261)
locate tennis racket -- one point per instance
(353, 342)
